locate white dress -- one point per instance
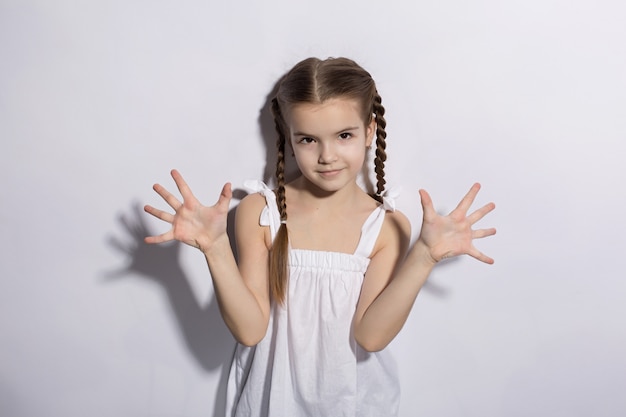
(309, 363)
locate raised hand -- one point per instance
(192, 223)
(452, 235)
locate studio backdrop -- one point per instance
(100, 99)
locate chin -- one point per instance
(329, 187)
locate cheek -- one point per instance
(303, 158)
(356, 154)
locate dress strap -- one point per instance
(373, 224)
(270, 215)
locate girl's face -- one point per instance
(329, 141)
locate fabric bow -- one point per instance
(389, 196)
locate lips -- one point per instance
(329, 173)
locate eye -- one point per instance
(306, 139)
(345, 135)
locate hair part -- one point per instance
(314, 81)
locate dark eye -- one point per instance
(345, 135)
(306, 140)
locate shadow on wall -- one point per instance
(207, 338)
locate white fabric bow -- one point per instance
(266, 219)
(389, 197)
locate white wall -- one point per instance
(100, 99)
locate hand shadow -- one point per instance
(206, 336)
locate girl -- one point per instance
(324, 281)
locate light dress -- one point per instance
(308, 363)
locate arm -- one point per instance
(244, 304)
(392, 282)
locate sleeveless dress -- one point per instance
(308, 363)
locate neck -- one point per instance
(309, 194)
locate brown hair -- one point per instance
(315, 81)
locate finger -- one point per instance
(427, 204)
(478, 234)
(475, 253)
(159, 214)
(480, 213)
(162, 238)
(225, 196)
(141, 220)
(184, 189)
(169, 198)
(467, 201)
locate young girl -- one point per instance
(324, 281)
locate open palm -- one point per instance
(192, 223)
(452, 235)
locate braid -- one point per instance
(381, 135)
(280, 162)
(280, 246)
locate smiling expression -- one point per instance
(329, 141)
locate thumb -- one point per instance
(226, 195)
(427, 203)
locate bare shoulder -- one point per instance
(247, 217)
(251, 205)
(396, 220)
(395, 232)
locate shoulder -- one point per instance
(247, 219)
(252, 203)
(249, 210)
(398, 221)
(395, 232)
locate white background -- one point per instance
(100, 99)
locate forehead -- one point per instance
(332, 115)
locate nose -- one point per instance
(328, 153)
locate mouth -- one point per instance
(329, 173)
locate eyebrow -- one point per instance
(347, 129)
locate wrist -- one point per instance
(216, 247)
(422, 253)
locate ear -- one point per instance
(370, 129)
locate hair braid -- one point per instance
(381, 145)
(280, 162)
(280, 246)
